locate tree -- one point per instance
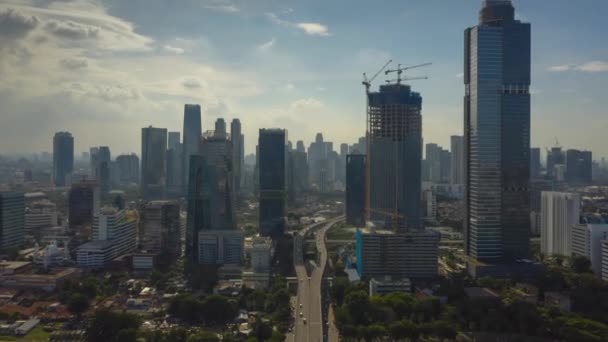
(404, 329)
(444, 330)
(203, 336)
(358, 306)
(338, 289)
(580, 264)
(109, 326)
(217, 309)
(77, 304)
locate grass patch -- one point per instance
(341, 232)
(36, 335)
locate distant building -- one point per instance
(238, 157)
(159, 226)
(153, 162)
(128, 168)
(355, 190)
(604, 254)
(395, 155)
(40, 215)
(12, 220)
(535, 163)
(175, 163)
(192, 137)
(559, 212)
(101, 160)
(261, 253)
(579, 167)
(220, 247)
(272, 182)
(410, 254)
(388, 285)
(430, 202)
(63, 158)
(587, 241)
(555, 157)
(83, 200)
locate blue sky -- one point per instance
(103, 69)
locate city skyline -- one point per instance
(274, 80)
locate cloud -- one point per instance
(290, 86)
(191, 83)
(313, 29)
(14, 25)
(594, 66)
(221, 6)
(71, 30)
(73, 63)
(307, 103)
(460, 75)
(267, 45)
(174, 49)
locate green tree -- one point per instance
(358, 306)
(109, 326)
(217, 309)
(203, 336)
(77, 304)
(404, 329)
(580, 264)
(338, 290)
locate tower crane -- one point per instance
(407, 79)
(368, 82)
(400, 70)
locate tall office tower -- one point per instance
(192, 138)
(101, 160)
(300, 146)
(578, 166)
(128, 168)
(12, 220)
(153, 162)
(534, 163)
(299, 172)
(433, 162)
(198, 205)
(174, 164)
(341, 166)
(216, 149)
(445, 166)
(457, 149)
(317, 160)
(159, 226)
(555, 157)
(559, 212)
(237, 156)
(220, 128)
(395, 154)
(497, 135)
(355, 190)
(360, 147)
(271, 144)
(83, 202)
(63, 158)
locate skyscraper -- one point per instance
(128, 168)
(101, 159)
(578, 166)
(198, 204)
(12, 220)
(534, 163)
(457, 149)
(272, 182)
(497, 134)
(83, 201)
(355, 189)
(159, 226)
(559, 213)
(395, 154)
(237, 156)
(63, 157)
(174, 164)
(555, 157)
(153, 162)
(192, 137)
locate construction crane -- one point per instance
(368, 82)
(400, 70)
(407, 79)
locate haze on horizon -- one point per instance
(103, 69)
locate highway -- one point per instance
(309, 288)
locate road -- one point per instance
(309, 288)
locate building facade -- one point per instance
(535, 163)
(587, 241)
(355, 189)
(12, 220)
(395, 155)
(578, 167)
(83, 201)
(159, 228)
(153, 162)
(457, 149)
(272, 182)
(560, 211)
(192, 136)
(128, 168)
(497, 135)
(63, 158)
(238, 157)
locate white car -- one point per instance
(301, 306)
(301, 314)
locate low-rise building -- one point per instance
(47, 281)
(388, 285)
(261, 254)
(220, 247)
(95, 254)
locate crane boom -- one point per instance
(368, 82)
(400, 70)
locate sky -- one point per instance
(103, 69)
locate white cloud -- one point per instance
(290, 86)
(594, 66)
(174, 49)
(267, 45)
(310, 28)
(560, 68)
(307, 103)
(460, 75)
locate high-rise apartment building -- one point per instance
(587, 241)
(457, 164)
(159, 228)
(497, 135)
(12, 220)
(560, 211)
(192, 137)
(101, 159)
(174, 164)
(355, 189)
(153, 162)
(63, 158)
(272, 181)
(238, 158)
(578, 166)
(395, 154)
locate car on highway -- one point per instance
(301, 306)
(301, 314)
(304, 320)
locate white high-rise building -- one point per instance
(587, 242)
(559, 212)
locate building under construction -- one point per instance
(394, 124)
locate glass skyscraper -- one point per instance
(271, 145)
(63, 157)
(153, 162)
(497, 134)
(192, 137)
(355, 189)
